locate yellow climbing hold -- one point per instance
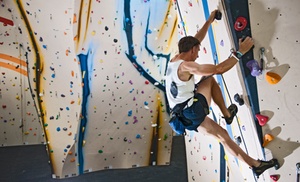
(226, 157)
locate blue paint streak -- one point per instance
(167, 57)
(131, 55)
(127, 23)
(219, 78)
(83, 122)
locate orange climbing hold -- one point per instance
(262, 120)
(274, 177)
(272, 77)
(267, 139)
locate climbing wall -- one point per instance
(86, 78)
(207, 160)
(274, 28)
(20, 122)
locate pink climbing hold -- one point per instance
(274, 177)
(262, 120)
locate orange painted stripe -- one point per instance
(11, 67)
(13, 59)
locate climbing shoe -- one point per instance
(233, 110)
(264, 165)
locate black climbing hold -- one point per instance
(218, 15)
(238, 140)
(239, 99)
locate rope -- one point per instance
(179, 12)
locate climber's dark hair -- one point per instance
(187, 43)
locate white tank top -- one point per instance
(178, 91)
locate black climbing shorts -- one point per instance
(196, 112)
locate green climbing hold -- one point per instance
(165, 137)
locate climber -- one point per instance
(180, 87)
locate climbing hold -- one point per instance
(274, 177)
(262, 120)
(138, 136)
(267, 139)
(238, 140)
(240, 23)
(239, 99)
(254, 68)
(218, 15)
(129, 113)
(272, 77)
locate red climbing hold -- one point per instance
(274, 177)
(262, 120)
(240, 23)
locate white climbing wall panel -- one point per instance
(88, 74)
(275, 26)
